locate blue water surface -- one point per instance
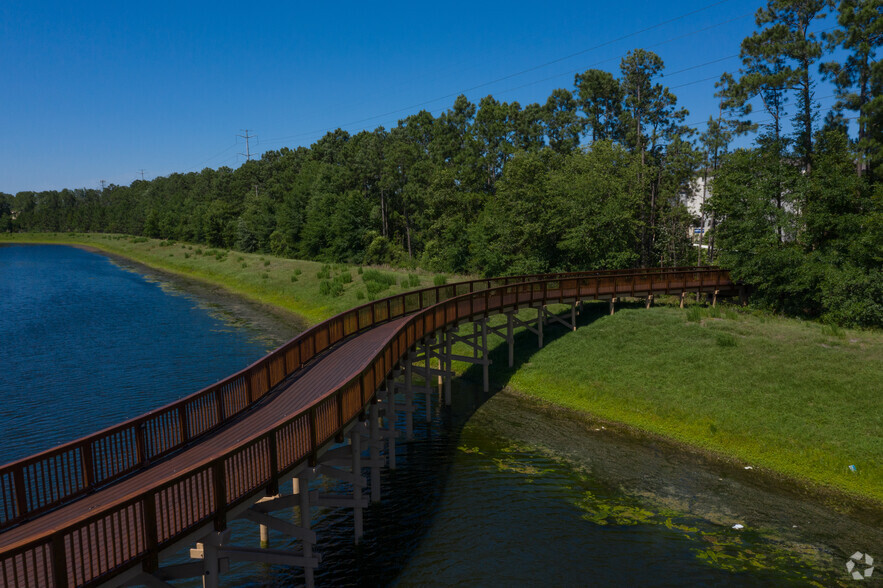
(86, 343)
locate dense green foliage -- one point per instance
(596, 176)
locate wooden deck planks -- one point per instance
(334, 369)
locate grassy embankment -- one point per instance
(292, 284)
(793, 397)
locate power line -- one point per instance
(535, 68)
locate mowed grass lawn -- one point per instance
(291, 284)
(797, 397)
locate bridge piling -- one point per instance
(374, 450)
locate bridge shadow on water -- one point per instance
(414, 491)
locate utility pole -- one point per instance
(247, 137)
(141, 171)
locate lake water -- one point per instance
(86, 343)
(495, 491)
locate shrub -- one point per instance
(360, 295)
(244, 265)
(266, 262)
(694, 314)
(186, 255)
(293, 278)
(373, 275)
(344, 278)
(297, 272)
(440, 280)
(413, 280)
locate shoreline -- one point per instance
(841, 500)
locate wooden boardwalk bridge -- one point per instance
(107, 508)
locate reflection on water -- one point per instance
(471, 506)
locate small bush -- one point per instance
(293, 278)
(360, 270)
(265, 276)
(360, 295)
(240, 258)
(379, 277)
(725, 340)
(374, 289)
(297, 272)
(329, 288)
(186, 255)
(324, 274)
(266, 263)
(198, 251)
(413, 280)
(694, 314)
(833, 330)
(440, 280)
(344, 278)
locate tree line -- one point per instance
(597, 176)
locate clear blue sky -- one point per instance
(100, 90)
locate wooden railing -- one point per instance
(128, 531)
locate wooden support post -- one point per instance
(449, 367)
(484, 356)
(743, 296)
(612, 304)
(427, 394)
(303, 488)
(510, 338)
(391, 425)
(573, 315)
(683, 295)
(374, 453)
(714, 298)
(207, 550)
(265, 536)
(649, 300)
(356, 449)
(409, 398)
(541, 318)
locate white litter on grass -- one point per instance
(738, 527)
(749, 467)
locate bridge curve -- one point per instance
(87, 511)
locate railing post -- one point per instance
(140, 443)
(314, 436)
(219, 483)
(151, 535)
(273, 486)
(21, 495)
(59, 560)
(88, 465)
(182, 423)
(339, 395)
